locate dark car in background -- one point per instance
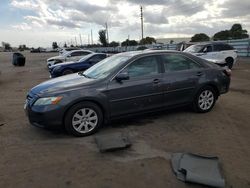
(126, 84)
(77, 66)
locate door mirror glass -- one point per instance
(122, 76)
(205, 50)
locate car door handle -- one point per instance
(199, 73)
(156, 81)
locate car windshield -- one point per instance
(105, 67)
(85, 58)
(194, 48)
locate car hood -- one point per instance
(61, 64)
(63, 83)
(56, 57)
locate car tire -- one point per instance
(229, 62)
(83, 119)
(67, 71)
(205, 100)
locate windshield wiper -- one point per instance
(82, 74)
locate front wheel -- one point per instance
(83, 119)
(204, 100)
(229, 62)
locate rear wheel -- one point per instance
(204, 100)
(229, 62)
(83, 119)
(67, 71)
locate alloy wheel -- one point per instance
(85, 120)
(206, 100)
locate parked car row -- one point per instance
(76, 66)
(123, 84)
(72, 55)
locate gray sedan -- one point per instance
(126, 84)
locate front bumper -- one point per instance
(45, 116)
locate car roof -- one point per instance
(145, 52)
(211, 42)
(80, 51)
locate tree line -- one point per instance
(236, 32)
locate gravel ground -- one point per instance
(33, 157)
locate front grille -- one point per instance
(31, 98)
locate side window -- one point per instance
(227, 47)
(74, 54)
(218, 47)
(222, 47)
(142, 67)
(207, 48)
(96, 58)
(176, 62)
(84, 53)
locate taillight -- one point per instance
(227, 72)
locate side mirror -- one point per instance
(69, 55)
(122, 76)
(205, 50)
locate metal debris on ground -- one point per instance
(197, 169)
(112, 141)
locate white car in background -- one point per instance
(219, 53)
(74, 55)
(66, 50)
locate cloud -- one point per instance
(162, 18)
(27, 4)
(233, 8)
(22, 26)
(155, 17)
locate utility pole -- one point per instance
(92, 37)
(88, 40)
(75, 40)
(141, 23)
(80, 39)
(107, 32)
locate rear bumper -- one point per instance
(225, 85)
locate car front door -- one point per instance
(142, 91)
(181, 78)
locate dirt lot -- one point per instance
(32, 157)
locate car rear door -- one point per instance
(141, 92)
(181, 78)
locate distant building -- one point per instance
(172, 40)
(1, 49)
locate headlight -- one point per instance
(55, 69)
(48, 101)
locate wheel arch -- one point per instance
(210, 84)
(99, 104)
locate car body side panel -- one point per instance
(135, 95)
(180, 86)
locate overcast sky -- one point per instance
(40, 22)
